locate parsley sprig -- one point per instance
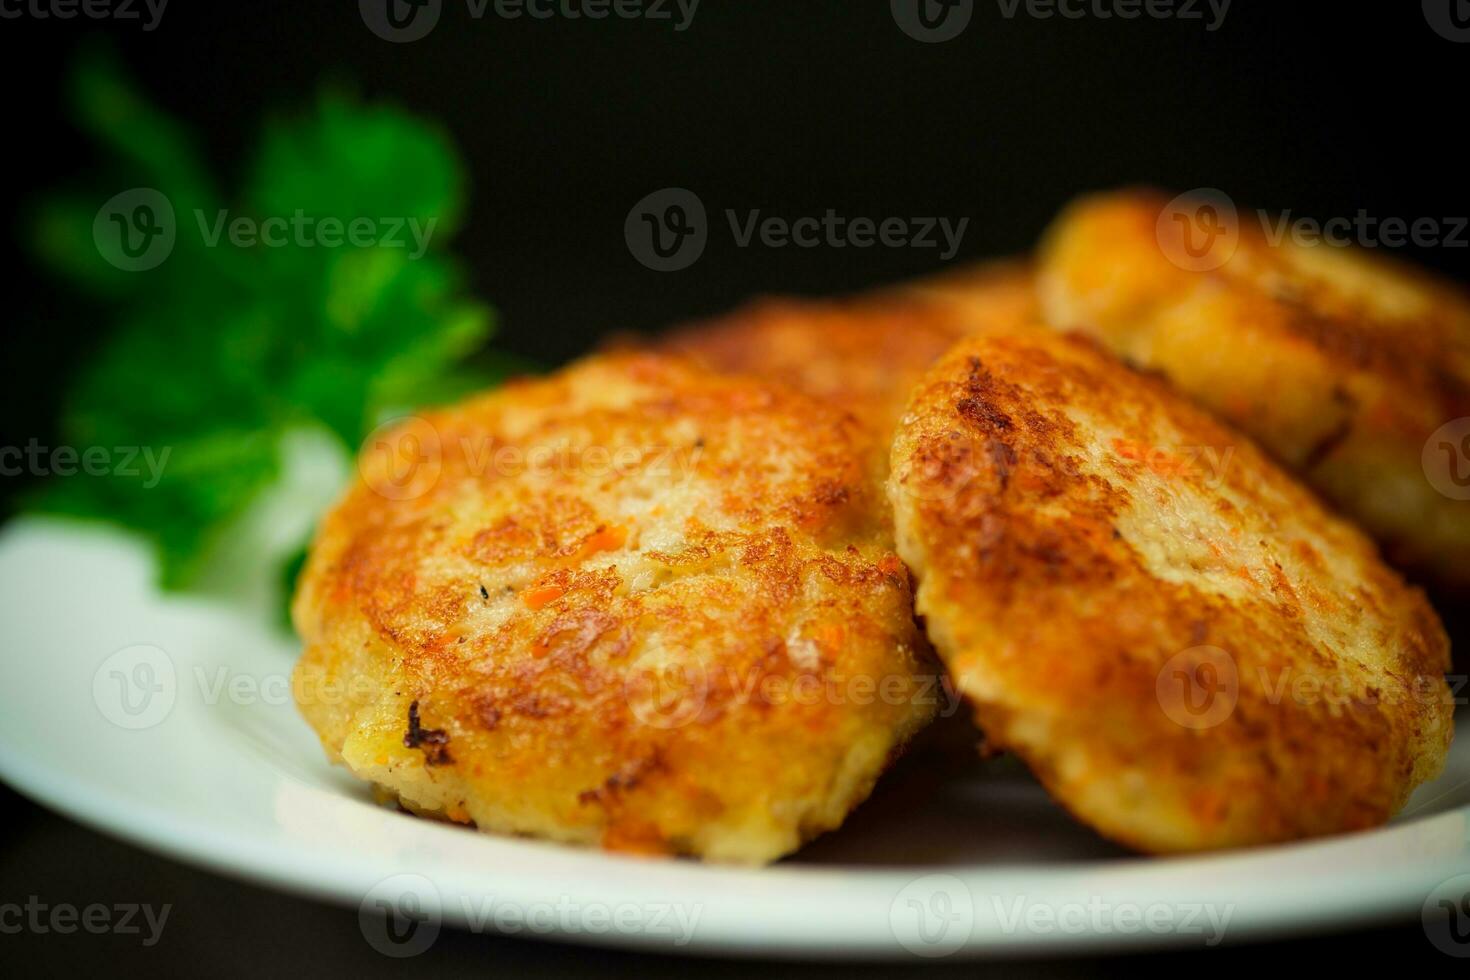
(220, 350)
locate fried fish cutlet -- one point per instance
(634, 605)
(1341, 364)
(980, 293)
(864, 353)
(1185, 646)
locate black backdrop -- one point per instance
(793, 107)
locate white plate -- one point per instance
(215, 767)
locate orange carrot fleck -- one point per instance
(1126, 449)
(538, 597)
(626, 836)
(604, 539)
(1158, 461)
(1208, 807)
(830, 636)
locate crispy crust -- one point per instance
(632, 605)
(1185, 646)
(1341, 364)
(864, 353)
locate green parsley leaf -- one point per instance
(217, 352)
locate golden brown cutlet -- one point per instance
(1188, 649)
(1346, 366)
(863, 353)
(634, 604)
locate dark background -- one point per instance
(1323, 108)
